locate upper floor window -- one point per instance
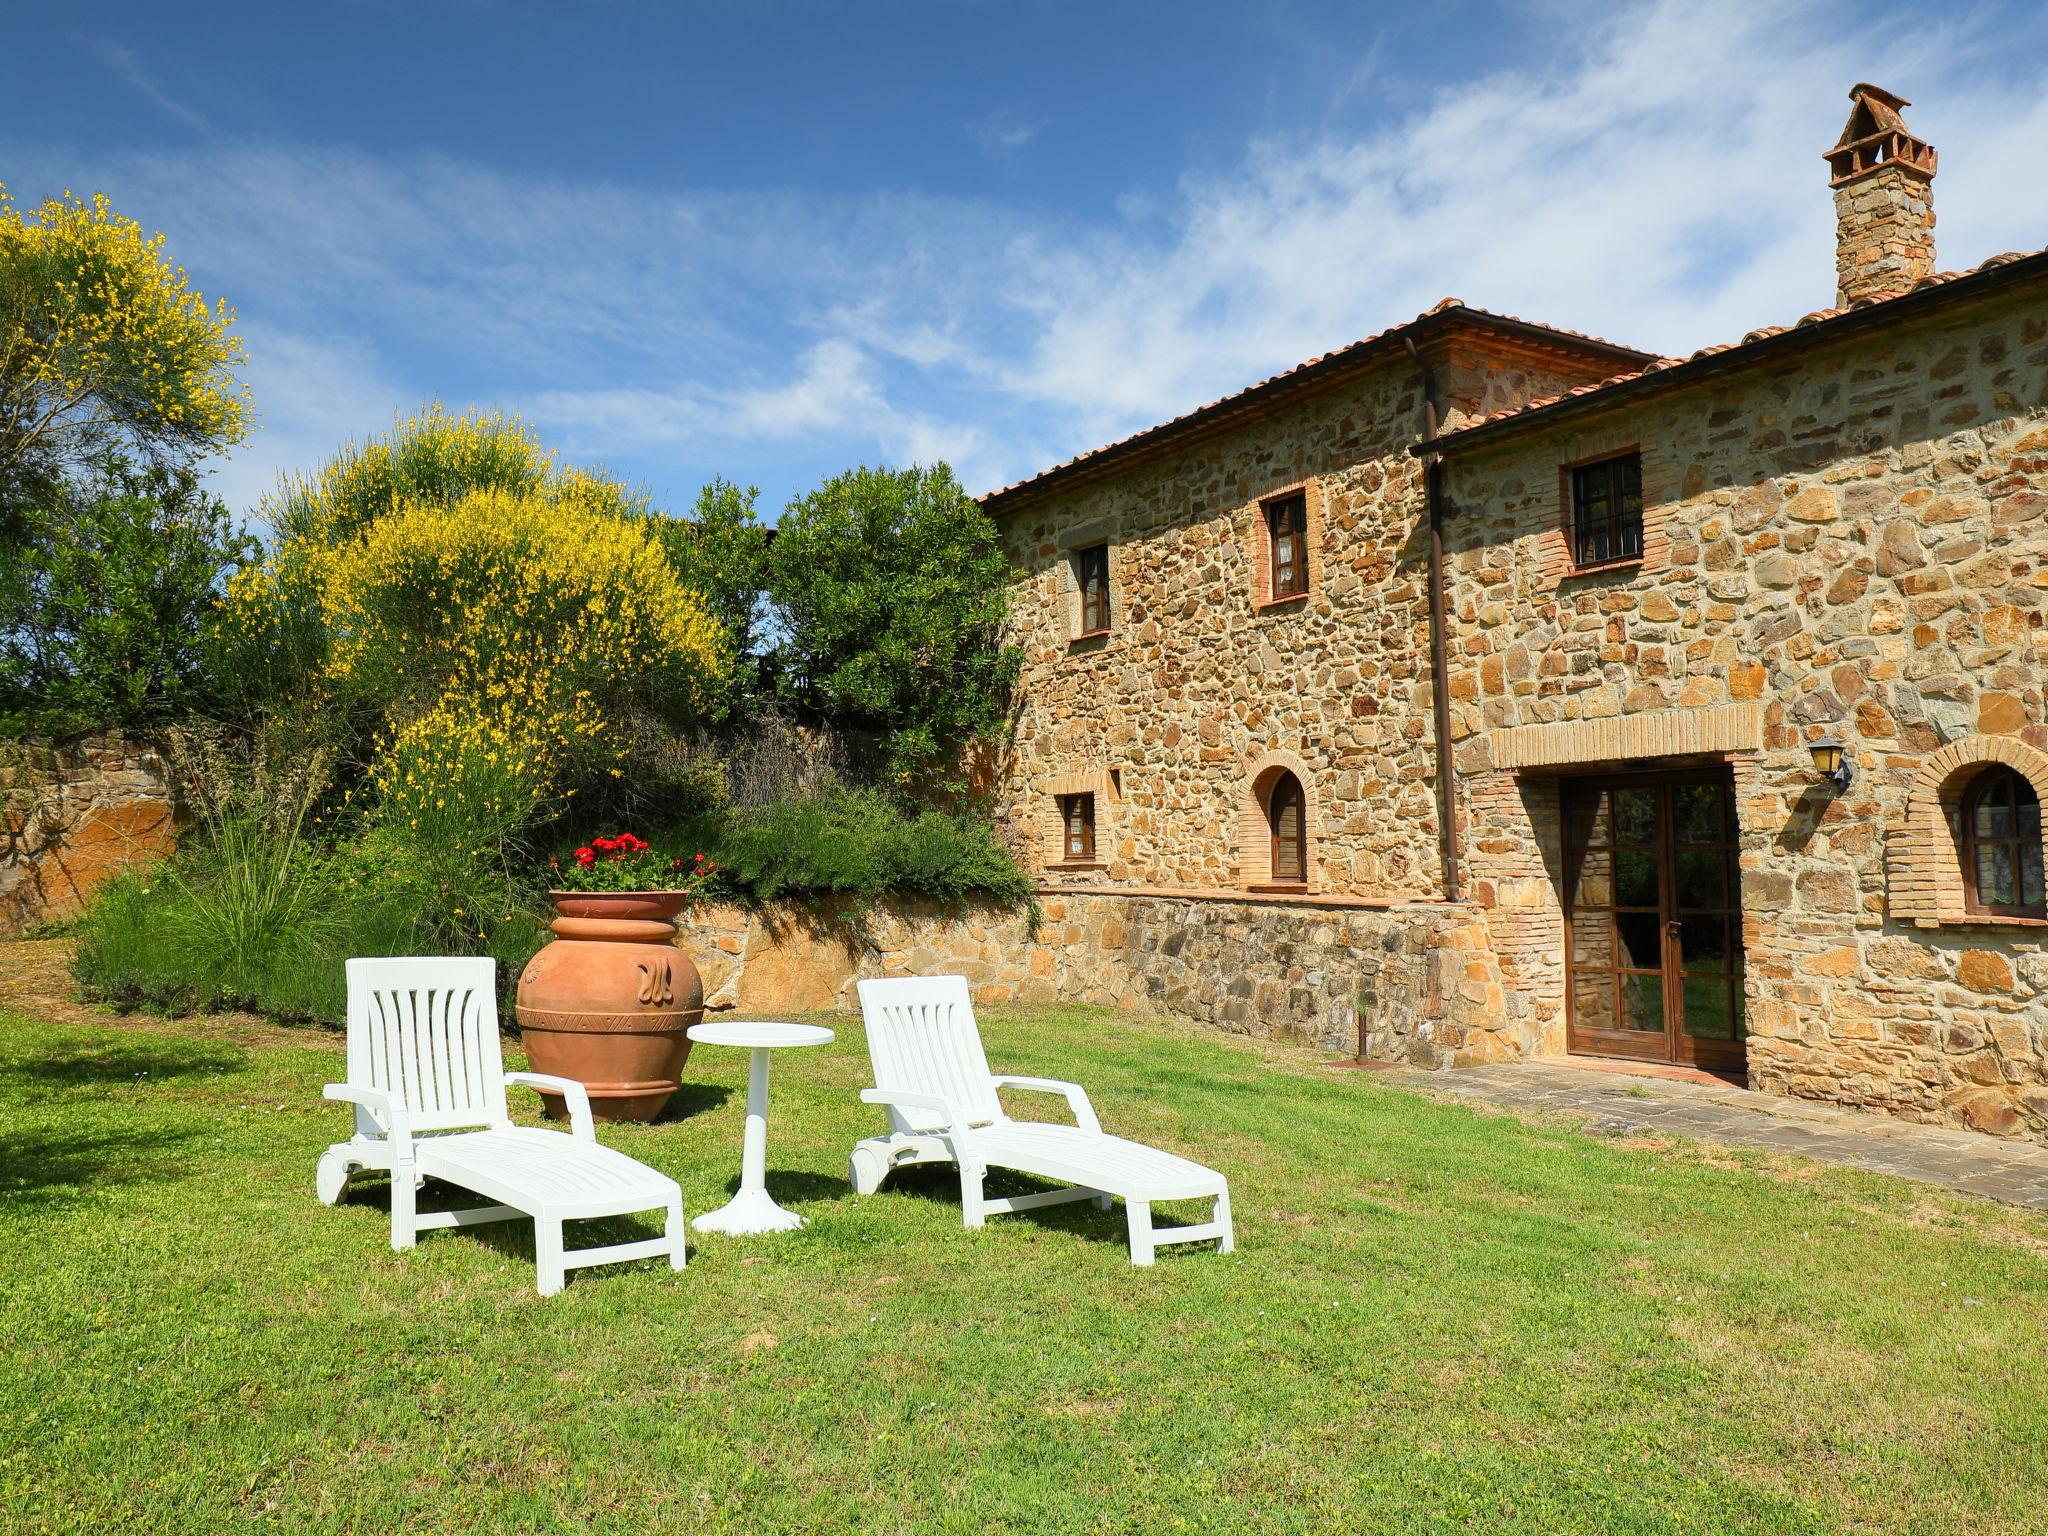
(1077, 827)
(1607, 511)
(1287, 820)
(2002, 861)
(1091, 572)
(1287, 544)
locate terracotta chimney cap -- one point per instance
(1875, 137)
(1863, 88)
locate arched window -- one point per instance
(2001, 838)
(1287, 818)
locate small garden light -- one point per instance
(1831, 761)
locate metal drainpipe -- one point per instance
(1439, 626)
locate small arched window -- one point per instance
(2002, 866)
(1287, 817)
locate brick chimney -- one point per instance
(1884, 200)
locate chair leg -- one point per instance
(547, 1254)
(972, 1211)
(1138, 1214)
(677, 1231)
(404, 1206)
(1229, 1243)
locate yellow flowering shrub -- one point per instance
(102, 337)
(433, 456)
(499, 642)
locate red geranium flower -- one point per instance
(586, 856)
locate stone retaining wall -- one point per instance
(1420, 975)
(72, 813)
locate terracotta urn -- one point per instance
(608, 1001)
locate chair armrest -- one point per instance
(903, 1098)
(382, 1107)
(1075, 1095)
(957, 1129)
(573, 1093)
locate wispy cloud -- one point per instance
(1003, 130)
(1656, 178)
(124, 63)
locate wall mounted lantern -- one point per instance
(1831, 761)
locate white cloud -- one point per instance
(1656, 177)
(312, 394)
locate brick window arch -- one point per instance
(2000, 838)
(1277, 824)
(1932, 854)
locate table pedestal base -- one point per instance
(748, 1212)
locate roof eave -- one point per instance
(1976, 283)
(1265, 398)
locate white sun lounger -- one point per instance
(426, 1074)
(933, 1078)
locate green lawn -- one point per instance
(1436, 1320)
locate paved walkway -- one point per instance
(2015, 1172)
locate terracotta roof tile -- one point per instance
(1223, 404)
(1751, 338)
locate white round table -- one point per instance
(751, 1210)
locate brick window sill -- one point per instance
(1605, 567)
(1994, 920)
(1077, 866)
(1282, 888)
(1275, 604)
(1088, 637)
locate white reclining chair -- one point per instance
(933, 1078)
(426, 1074)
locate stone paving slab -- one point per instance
(2013, 1172)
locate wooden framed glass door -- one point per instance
(1653, 918)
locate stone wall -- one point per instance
(1201, 683)
(1420, 976)
(72, 813)
(1855, 544)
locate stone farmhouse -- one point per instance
(1483, 689)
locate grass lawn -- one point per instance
(1436, 1320)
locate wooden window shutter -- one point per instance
(1288, 817)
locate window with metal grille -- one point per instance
(1091, 570)
(1287, 817)
(2002, 858)
(1287, 544)
(1077, 827)
(1607, 511)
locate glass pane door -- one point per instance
(1653, 919)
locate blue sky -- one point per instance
(772, 240)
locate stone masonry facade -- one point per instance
(1854, 548)
(1843, 544)
(1421, 979)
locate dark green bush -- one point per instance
(107, 587)
(854, 843)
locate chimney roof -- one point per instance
(1876, 136)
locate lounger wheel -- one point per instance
(866, 1169)
(330, 1178)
